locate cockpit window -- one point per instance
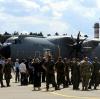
(10, 41)
(13, 41)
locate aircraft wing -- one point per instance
(91, 43)
(61, 39)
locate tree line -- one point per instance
(6, 35)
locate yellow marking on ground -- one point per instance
(68, 96)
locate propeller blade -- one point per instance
(87, 47)
(73, 39)
(78, 37)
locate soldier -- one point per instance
(95, 74)
(1, 72)
(67, 70)
(7, 71)
(75, 74)
(50, 74)
(85, 70)
(42, 69)
(59, 66)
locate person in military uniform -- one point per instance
(50, 73)
(67, 64)
(60, 68)
(95, 74)
(75, 74)
(85, 71)
(43, 74)
(7, 71)
(1, 73)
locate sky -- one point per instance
(49, 16)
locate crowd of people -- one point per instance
(42, 70)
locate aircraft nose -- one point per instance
(5, 51)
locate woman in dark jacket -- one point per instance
(36, 74)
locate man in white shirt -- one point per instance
(23, 72)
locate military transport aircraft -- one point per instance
(23, 46)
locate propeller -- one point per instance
(77, 45)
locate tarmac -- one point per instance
(26, 92)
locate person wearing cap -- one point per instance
(85, 71)
(17, 70)
(50, 73)
(67, 64)
(59, 67)
(75, 74)
(95, 74)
